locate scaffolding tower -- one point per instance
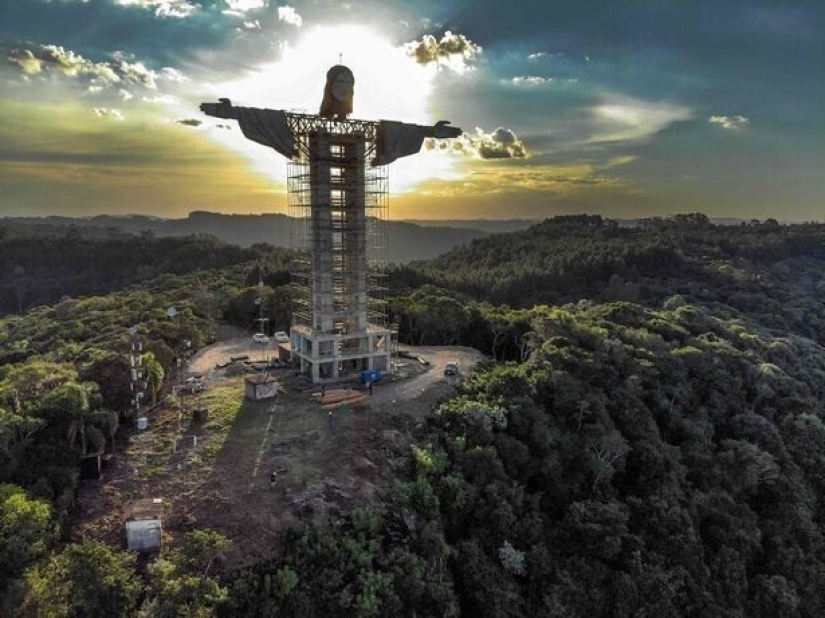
(338, 203)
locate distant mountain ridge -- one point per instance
(407, 241)
(490, 226)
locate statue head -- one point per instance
(338, 93)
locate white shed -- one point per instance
(261, 386)
(143, 525)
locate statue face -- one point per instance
(342, 87)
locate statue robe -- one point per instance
(398, 139)
(270, 128)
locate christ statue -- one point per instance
(271, 128)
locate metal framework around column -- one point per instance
(338, 204)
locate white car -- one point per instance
(451, 368)
(280, 337)
(260, 338)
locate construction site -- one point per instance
(252, 468)
(248, 454)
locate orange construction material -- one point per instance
(337, 396)
(357, 398)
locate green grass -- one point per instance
(224, 404)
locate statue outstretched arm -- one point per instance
(443, 130)
(222, 109)
(265, 126)
(397, 139)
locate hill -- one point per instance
(489, 226)
(41, 269)
(407, 241)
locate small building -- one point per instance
(261, 386)
(143, 525)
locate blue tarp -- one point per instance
(370, 375)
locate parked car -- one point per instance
(280, 337)
(260, 338)
(451, 368)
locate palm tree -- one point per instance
(155, 374)
(84, 430)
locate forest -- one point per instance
(647, 437)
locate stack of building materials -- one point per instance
(339, 397)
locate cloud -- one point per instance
(572, 180)
(537, 55)
(455, 51)
(27, 61)
(163, 8)
(48, 58)
(289, 15)
(531, 80)
(173, 75)
(245, 5)
(137, 73)
(190, 122)
(160, 99)
(617, 162)
(44, 60)
(500, 144)
(102, 112)
(729, 122)
(621, 118)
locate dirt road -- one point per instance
(232, 342)
(418, 387)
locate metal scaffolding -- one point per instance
(338, 204)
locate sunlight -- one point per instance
(388, 85)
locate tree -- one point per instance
(88, 580)
(23, 385)
(26, 532)
(111, 374)
(181, 583)
(16, 432)
(154, 374)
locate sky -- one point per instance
(625, 108)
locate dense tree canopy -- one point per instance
(39, 270)
(647, 438)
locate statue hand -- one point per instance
(222, 109)
(442, 130)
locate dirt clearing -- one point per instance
(253, 468)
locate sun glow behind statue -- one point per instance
(388, 85)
